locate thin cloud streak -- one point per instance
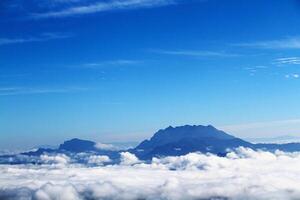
(261, 124)
(121, 62)
(11, 91)
(42, 38)
(288, 60)
(193, 53)
(104, 7)
(264, 129)
(253, 70)
(286, 43)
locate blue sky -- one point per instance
(120, 70)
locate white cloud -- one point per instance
(97, 65)
(60, 159)
(242, 174)
(103, 146)
(264, 129)
(104, 7)
(56, 192)
(42, 38)
(288, 60)
(261, 124)
(254, 69)
(128, 158)
(9, 91)
(98, 160)
(295, 76)
(65, 1)
(194, 53)
(286, 43)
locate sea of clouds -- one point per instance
(242, 174)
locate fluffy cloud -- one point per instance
(60, 159)
(98, 160)
(242, 174)
(50, 191)
(103, 146)
(128, 158)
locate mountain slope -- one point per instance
(172, 141)
(77, 145)
(185, 139)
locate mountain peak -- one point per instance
(187, 138)
(77, 145)
(192, 131)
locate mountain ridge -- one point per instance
(188, 138)
(172, 141)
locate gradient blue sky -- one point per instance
(119, 70)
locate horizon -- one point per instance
(281, 139)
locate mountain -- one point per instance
(287, 147)
(176, 141)
(277, 140)
(185, 139)
(172, 141)
(76, 145)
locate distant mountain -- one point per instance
(172, 141)
(185, 139)
(277, 140)
(175, 141)
(288, 147)
(40, 151)
(76, 145)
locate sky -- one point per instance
(119, 70)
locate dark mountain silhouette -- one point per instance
(76, 145)
(40, 151)
(288, 147)
(206, 139)
(185, 139)
(172, 141)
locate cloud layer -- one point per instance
(242, 174)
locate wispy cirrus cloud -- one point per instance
(254, 69)
(285, 43)
(261, 124)
(121, 62)
(11, 91)
(288, 60)
(264, 128)
(195, 53)
(41, 38)
(98, 6)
